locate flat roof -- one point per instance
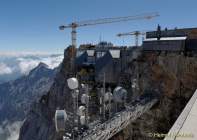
(172, 33)
(166, 38)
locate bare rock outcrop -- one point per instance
(39, 124)
(174, 77)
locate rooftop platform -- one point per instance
(185, 127)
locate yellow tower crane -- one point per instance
(75, 25)
(135, 33)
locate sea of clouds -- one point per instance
(14, 65)
(10, 130)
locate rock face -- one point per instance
(17, 96)
(39, 124)
(172, 76)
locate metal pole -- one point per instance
(109, 107)
(116, 104)
(110, 103)
(77, 116)
(73, 132)
(74, 45)
(87, 104)
(137, 37)
(74, 37)
(125, 100)
(103, 96)
(100, 110)
(73, 108)
(87, 121)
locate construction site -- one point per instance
(98, 70)
(105, 81)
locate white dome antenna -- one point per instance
(73, 83)
(60, 120)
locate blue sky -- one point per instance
(32, 25)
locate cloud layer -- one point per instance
(10, 131)
(13, 65)
(26, 64)
(4, 69)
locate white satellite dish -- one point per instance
(119, 94)
(82, 86)
(73, 83)
(81, 110)
(60, 120)
(84, 98)
(108, 96)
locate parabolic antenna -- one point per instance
(108, 96)
(84, 98)
(119, 94)
(60, 120)
(82, 86)
(81, 111)
(73, 83)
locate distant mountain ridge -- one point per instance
(17, 96)
(14, 66)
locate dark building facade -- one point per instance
(110, 66)
(108, 60)
(190, 33)
(177, 40)
(164, 45)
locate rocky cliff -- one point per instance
(16, 97)
(39, 123)
(170, 75)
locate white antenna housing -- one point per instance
(81, 111)
(119, 94)
(84, 98)
(73, 83)
(60, 120)
(108, 96)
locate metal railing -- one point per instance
(106, 130)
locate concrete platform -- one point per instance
(185, 127)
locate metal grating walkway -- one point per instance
(108, 129)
